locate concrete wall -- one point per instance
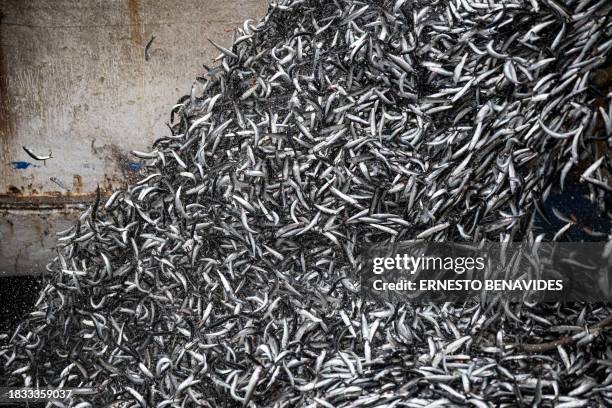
(74, 80)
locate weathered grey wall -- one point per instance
(74, 80)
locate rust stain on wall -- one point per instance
(7, 121)
(51, 200)
(134, 17)
(29, 198)
(77, 183)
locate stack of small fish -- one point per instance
(224, 277)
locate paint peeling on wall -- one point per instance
(22, 165)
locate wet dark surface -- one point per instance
(18, 294)
(591, 224)
(23, 404)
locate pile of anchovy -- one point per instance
(225, 276)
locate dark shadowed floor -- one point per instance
(17, 297)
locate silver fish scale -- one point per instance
(224, 277)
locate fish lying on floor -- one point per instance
(224, 276)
